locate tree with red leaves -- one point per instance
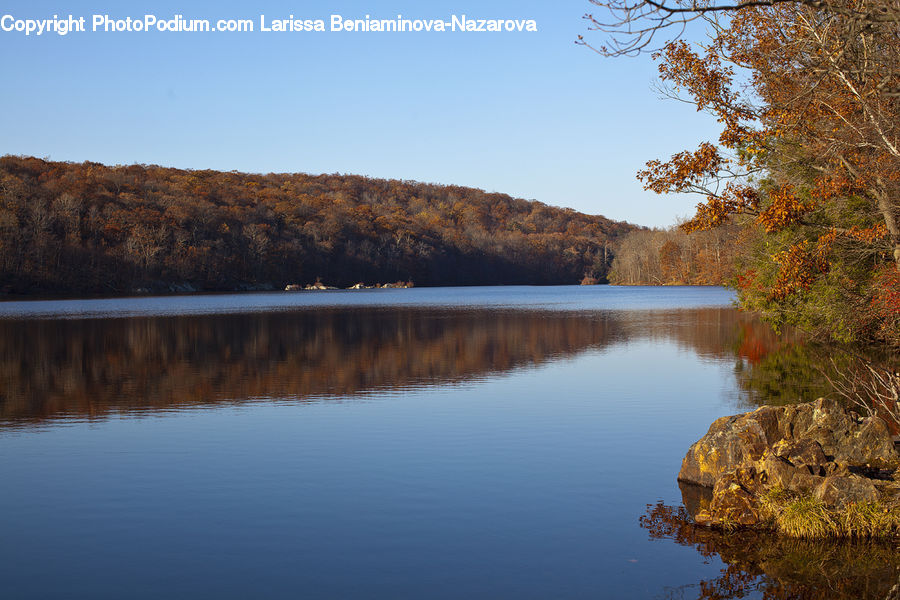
(808, 158)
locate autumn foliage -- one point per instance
(807, 162)
(674, 257)
(90, 228)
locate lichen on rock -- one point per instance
(816, 451)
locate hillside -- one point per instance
(89, 228)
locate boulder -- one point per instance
(839, 490)
(816, 449)
(734, 498)
(730, 442)
(802, 452)
(780, 473)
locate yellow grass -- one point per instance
(807, 517)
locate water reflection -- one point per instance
(58, 368)
(513, 488)
(89, 368)
(764, 565)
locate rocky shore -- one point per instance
(318, 285)
(807, 470)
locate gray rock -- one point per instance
(839, 490)
(815, 448)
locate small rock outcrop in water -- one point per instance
(816, 450)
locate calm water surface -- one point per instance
(425, 443)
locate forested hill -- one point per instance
(90, 228)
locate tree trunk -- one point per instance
(886, 207)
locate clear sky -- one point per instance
(528, 114)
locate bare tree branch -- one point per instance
(633, 25)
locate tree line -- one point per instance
(89, 228)
(674, 257)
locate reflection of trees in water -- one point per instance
(92, 367)
(89, 368)
(787, 368)
(779, 568)
(770, 367)
(779, 369)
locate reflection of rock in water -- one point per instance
(695, 497)
(778, 567)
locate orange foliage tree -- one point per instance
(808, 157)
(76, 228)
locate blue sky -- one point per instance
(528, 114)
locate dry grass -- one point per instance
(807, 517)
(870, 519)
(772, 502)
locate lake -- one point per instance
(498, 442)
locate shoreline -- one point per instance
(811, 470)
